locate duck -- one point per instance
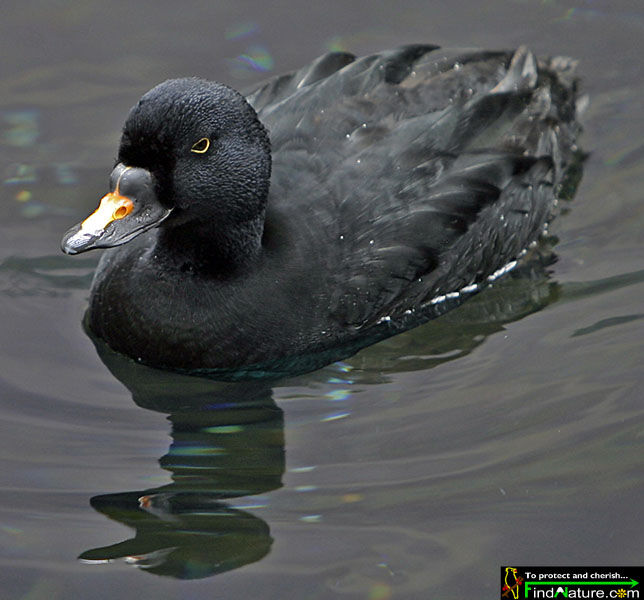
(325, 209)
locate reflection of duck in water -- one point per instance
(391, 186)
(186, 536)
(227, 442)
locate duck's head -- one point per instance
(193, 155)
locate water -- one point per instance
(508, 431)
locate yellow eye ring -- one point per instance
(201, 147)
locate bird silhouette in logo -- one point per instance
(512, 583)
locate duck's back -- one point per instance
(417, 173)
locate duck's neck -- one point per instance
(195, 246)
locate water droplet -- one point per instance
(338, 396)
(19, 173)
(241, 30)
(311, 518)
(352, 497)
(335, 417)
(302, 469)
(23, 127)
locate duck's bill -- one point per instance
(127, 211)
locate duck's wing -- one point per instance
(429, 169)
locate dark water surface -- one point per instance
(508, 431)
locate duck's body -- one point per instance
(398, 179)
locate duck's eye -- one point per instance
(201, 146)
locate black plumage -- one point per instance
(397, 181)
